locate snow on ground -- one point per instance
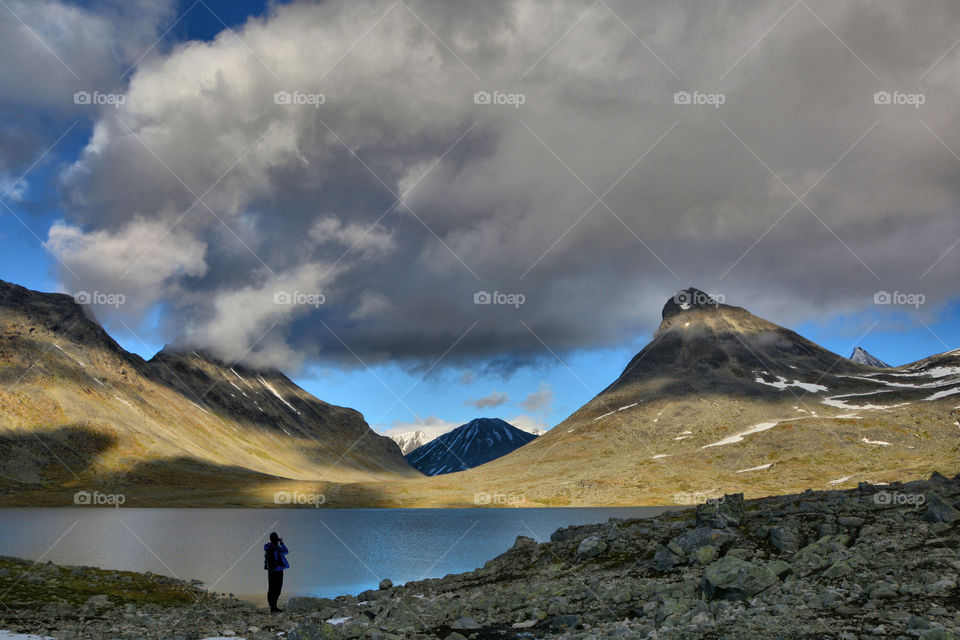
(840, 480)
(782, 383)
(660, 455)
(338, 621)
(69, 356)
(943, 394)
(279, 397)
(738, 437)
(879, 442)
(933, 372)
(904, 385)
(840, 404)
(9, 635)
(760, 468)
(610, 413)
(682, 437)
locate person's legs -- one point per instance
(274, 583)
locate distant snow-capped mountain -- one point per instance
(864, 357)
(470, 445)
(410, 440)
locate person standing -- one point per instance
(275, 561)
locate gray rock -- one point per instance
(734, 579)
(59, 609)
(386, 583)
(722, 512)
(455, 636)
(590, 547)
(465, 624)
(558, 623)
(98, 602)
(307, 604)
(837, 570)
(939, 510)
(786, 539)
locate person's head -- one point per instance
(274, 538)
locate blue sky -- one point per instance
(446, 395)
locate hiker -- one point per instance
(275, 561)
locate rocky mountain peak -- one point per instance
(690, 299)
(863, 356)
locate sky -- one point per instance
(436, 211)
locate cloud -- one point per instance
(53, 49)
(539, 400)
(529, 423)
(391, 184)
(492, 399)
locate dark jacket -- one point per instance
(275, 557)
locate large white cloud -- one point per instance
(503, 198)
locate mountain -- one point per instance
(410, 440)
(862, 356)
(78, 412)
(721, 400)
(470, 445)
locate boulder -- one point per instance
(734, 579)
(465, 624)
(786, 539)
(385, 584)
(590, 547)
(721, 512)
(939, 510)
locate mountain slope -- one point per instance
(721, 401)
(862, 356)
(470, 445)
(77, 411)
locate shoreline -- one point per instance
(844, 564)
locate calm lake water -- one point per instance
(332, 551)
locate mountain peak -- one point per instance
(469, 445)
(862, 356)
(690, 299)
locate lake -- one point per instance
(332, 551)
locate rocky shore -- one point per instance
(873, 562)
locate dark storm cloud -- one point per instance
(427, 181)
